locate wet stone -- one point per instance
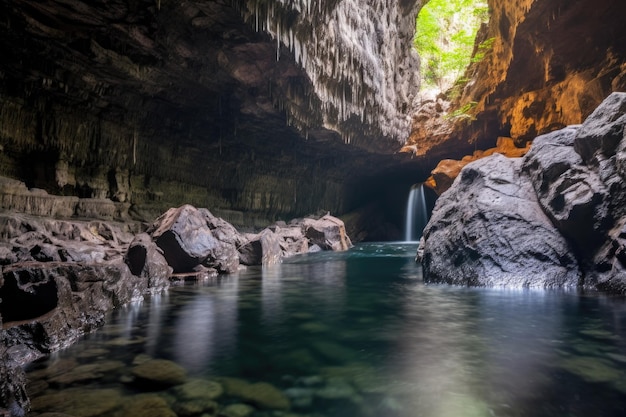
(236, 410)
(88, 372)
(337, 389)
(92, 353)
(56, 368)
(78, 402)
(199, 389)
(159, 373)
(35, 387)
(300, 397)
(141, 358)
(190, 408)
(146, 405)
(261, 394)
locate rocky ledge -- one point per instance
(60, 277)
(554, 218)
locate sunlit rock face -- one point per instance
(155, 104)
(552, 63)
(561, 64)
(359, 58)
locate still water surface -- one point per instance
(360, 334)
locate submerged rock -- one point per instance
(261, 394)
(199, 389)
(159, 373)
(146, 405)
(79, 402)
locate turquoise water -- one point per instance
(350, 334)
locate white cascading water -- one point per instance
(416, 214)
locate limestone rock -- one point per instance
(489, 229)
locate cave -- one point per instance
(258, 208)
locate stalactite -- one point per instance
(351, 52)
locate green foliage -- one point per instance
(464, 113)
(482, 50)
(444, 38)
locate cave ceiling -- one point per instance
(186, 91)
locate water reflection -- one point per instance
(360, 334)
(206, 327)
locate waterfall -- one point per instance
(416, 213)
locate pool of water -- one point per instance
(348, 334)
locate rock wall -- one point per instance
(555, 217)
(545, 64)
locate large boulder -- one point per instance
(489, 230)
(576, 176)
(184, 236)
(572, 194)
(327, 232)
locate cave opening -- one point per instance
(445, 38)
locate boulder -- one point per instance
(262, 249)
(145, 259)
(261, 394)
(224, 258)
(292, 239)
(184, 236)
(328, 232)
(159, 373)
(489, 230)
(575, 176)
(572, 194)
